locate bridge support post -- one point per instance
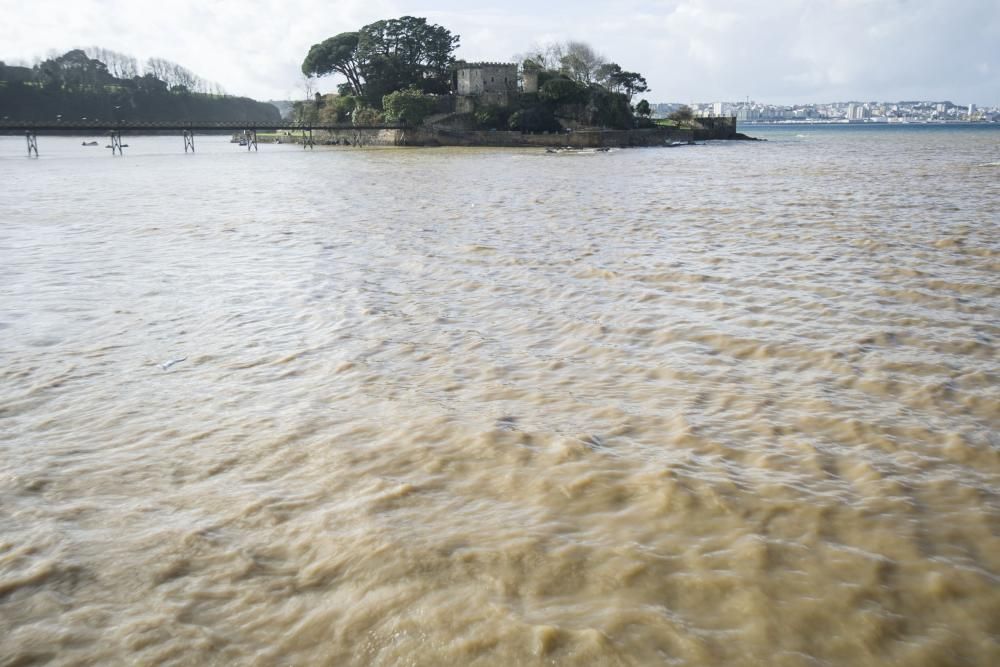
(116, 142)
(32, 142)
(188, 140)
(251, 137)
(307, 140)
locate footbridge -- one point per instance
(245, 130)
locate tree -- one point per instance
(337, 108)
(120, 65)
(629, 83)
(562, 91)
(338, 54)
(683, 114)
(178, 76)
(608, 109)
(577, 60)
(617, 80)
(404, 52)
(643, 109)
(73, 70)
(147, 83)
(580, 62)
(386, 56)
(546, 57)
(607, 74)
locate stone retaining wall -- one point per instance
(423, 136)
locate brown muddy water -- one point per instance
(733, 404)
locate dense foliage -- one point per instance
(682, 115)
(398, 65)
(408, 106)
(617, 80)
(579, 86)
(74, 86)
(575, 102)
(336, 55)
(561, 91)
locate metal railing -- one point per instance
(201, 126)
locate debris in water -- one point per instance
(167, 364)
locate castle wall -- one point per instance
(480, 78)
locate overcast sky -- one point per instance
(778, 51)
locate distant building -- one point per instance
(858, 112)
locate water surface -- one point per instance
(725, 404)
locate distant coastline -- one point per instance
(868, 123)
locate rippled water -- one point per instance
(726, 404)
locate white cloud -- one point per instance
(780, 50)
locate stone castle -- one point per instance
(479, 85)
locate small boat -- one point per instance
(576, 151)
(89, 143)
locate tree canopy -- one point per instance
(338, 54)
(578, 84)
(580, 62)
(100, 83)
(617, 80)
(386, 56)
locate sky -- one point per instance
(771, 51)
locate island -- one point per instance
(404, 71)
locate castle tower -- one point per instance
(480, 85)
(529, 77)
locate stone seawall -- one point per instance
(718, 127)
(352, 137)
(577, 139)
(441, 137)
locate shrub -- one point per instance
(610, 109)
(534, 119)
(366, 116)
(408, 106)
(492, 118)
(684, 114)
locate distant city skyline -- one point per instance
(872, 111)
(783, 51)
